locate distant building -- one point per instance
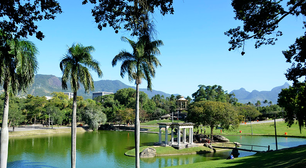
(48, 97)
(69, 94)
(97, 94)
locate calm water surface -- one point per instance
(107, 148)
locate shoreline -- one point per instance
(44, 132)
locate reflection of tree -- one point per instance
(89, 144)
(39, 146)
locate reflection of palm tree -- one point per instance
(18, 66)
(139, 65)
(75, 69)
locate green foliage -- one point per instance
(15, 115)
(74, 67)
(248, 111)
(213, 113)
(261, 21)
(19, 18)
(130, 15)
(93, 116)
(126, 97)
(142, 62)
(293, 100)
(56, 115)
(18, 63)
(213, 93)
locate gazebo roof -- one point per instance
(175, 123)
(182, 99)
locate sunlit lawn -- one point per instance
(265, 129)
(246, 129)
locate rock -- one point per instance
(148, 153)
(237, 144)
(220, 138)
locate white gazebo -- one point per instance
(179, 126)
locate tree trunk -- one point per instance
(4, 131)
(73, 131)
(211, 133)
(137, 129)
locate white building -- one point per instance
(69, 94)
(96, 94)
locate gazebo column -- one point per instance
(178, 136)
(191, 132)
(172, 136)
(184, 135)
(160, 139)
(190, 138)
(166, 136)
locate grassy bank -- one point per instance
(36, 132)
(293, 157)
(166, 151)
(247, 129)
(265, 129)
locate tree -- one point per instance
(127, 14)
(15, 115)
(17, 68)
(258, 104)
(213, 113)
(213, 93)
(260, 22)
(126, 97)
(265, 101)
(75, 66)
(293, 100)
(248, 111)
(56, 116)
(19, 18)
(139, 65)
(93, 116)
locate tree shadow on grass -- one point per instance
(293, 157)
(28, 164)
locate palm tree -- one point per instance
(75, 66)
(139, 65)
(18, 66)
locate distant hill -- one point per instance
(244, 96)
(44, 85)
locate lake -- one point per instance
(107, 148)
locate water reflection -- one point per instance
(107, 148)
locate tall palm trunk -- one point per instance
(73, 131)
(137, 128)
(4, 129)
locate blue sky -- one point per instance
(195, 48)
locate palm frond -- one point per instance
(122, 56)
(75, 66)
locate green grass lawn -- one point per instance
(265, 129)
(246, 129)
(160, 151)
(293, 157)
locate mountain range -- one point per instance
(44, 85)
(244, 96)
